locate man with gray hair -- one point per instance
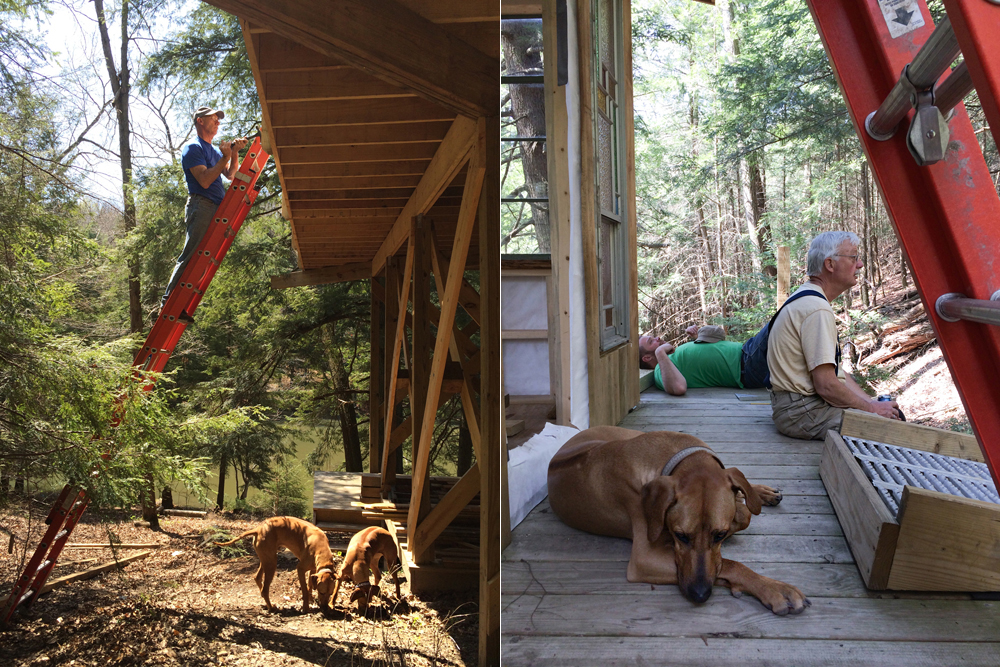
(810, 389)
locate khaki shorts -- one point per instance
(804, 417)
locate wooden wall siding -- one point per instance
(352, 145)
(613, 375)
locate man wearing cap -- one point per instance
(708, 361)
(204, 165)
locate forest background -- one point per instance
(81, 271)
(743, 144)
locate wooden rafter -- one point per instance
(449, 304)
(446, 163)
(326, 275)
(386, 39)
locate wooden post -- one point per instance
(784, 273)
(420, 371)
(492, 413)
(376, 379)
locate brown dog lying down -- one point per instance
(670, 495)
(363, 554)
(309, 544)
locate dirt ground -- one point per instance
(187, 604)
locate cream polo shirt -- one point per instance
(803, 337)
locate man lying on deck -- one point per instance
(707, 361)
(810, 389)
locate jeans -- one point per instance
(197, 216)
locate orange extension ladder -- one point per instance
(153, 356)
(893, 66)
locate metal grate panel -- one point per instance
(890, 468)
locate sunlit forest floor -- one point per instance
(186, 604)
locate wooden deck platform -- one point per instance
(566, 600)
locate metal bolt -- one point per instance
(930, 134)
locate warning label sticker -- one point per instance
(902, 16)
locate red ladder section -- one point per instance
(946, 215)
(153, 356)
(201, 269)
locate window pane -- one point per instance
(522, 110)
(521, 41)
(523, 170)
(605, 146)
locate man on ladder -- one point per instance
(204, 165)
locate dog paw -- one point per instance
(768, 495)
(784, 599)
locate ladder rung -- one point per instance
(60, 534)
(25, 597)
(43, 566)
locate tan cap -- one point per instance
(711, 333)
(208, 111)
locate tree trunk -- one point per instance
(148, 502)
(866, 196)
(464, 449)
(121, 86)
(523, 55)
(345, 409)
(220, 498)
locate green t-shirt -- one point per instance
(706, 364)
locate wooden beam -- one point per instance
(339, 135)
(423, 394)
(353, 112)
(446, 163)
(376, 376)
(397, 342)
(492, 412)
(92, 572)
(449, 303)
(388, 40)
(332, 274)
(444, 512)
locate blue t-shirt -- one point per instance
(198, 152)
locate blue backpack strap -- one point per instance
(798, 295)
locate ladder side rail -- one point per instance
(56, 518)
(944, 214)
(82, 500)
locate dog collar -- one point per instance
(683, 454)
(323, 569)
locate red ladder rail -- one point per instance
(62, 518)
(946, 215)
(197, 275)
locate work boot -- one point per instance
(185, 318)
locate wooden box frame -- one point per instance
(939, 543)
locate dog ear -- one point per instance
(657, 497)
(313, 581)
(740, 483)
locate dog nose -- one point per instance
(699, 591)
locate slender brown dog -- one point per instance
(309, 544)
(362, 557)
(669, 494)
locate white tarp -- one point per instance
(528, 469)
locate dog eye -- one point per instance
(682, 538)
(721, 535)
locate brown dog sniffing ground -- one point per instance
(669, 494)
(309, 544)
(361, 560)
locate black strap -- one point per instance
(798, 295)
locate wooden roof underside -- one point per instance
(366, 120)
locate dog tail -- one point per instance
(234, 541)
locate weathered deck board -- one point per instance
(671, 614)
(714, 651)
(566, 600)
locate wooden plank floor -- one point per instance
(565, 599)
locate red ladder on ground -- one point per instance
(153, 356)
(946, 213)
